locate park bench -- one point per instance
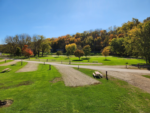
(97, 74)
(6, 70)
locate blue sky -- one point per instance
(53, 18)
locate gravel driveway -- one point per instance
(2, 60)
(9, 63)
(132, 76)
(74, 77)
(29, 67)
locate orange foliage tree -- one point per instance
(26, 51)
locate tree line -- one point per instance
(37, 44)
(131, 39)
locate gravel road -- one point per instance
(74, 77)
(2, 60)
(9, 63)
(29, 67)
(132, 76)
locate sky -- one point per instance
(54, 18)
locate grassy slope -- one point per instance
(43, 96)
(110, 60)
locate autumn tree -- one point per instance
(70, 48)
(27, 51)
(140, 40)
(78, 53)
(87, 50)
(105, 52)
(59, 53)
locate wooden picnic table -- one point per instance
(98, 74)
(7, 69)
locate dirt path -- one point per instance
(9, 63)
(2, 60)
(74, 78)
(132, 78)
(29, 67)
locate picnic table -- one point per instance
(97, 74)
(7, 69)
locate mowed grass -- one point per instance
(33, 92)
(147, 76)
(6, 61)
(110, 60)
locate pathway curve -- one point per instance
(132, 76)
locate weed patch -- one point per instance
(5, 103)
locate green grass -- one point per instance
(100, 59)
(42, 96)
(147, 76)
(6, 61)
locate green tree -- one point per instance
(18, 51)
(70, 48)
(59, 53)
(78, 53)
(87, 50)
(140, 40)
(45, 46)
(117, 46)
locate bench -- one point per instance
(6, 70)
(97, 74)
(94, 75)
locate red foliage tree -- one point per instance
(26, 51)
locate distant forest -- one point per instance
(131, 39)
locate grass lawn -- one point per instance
(33, 92)
(147, 76)
(99, 59)
(6, 61)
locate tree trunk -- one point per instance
(38, 53)
(148, 59)
(42, 53)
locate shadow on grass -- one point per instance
(85, 58)
(106, 60)
(77, 60)
(56, 57)
(142, 65)
(67, 58)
